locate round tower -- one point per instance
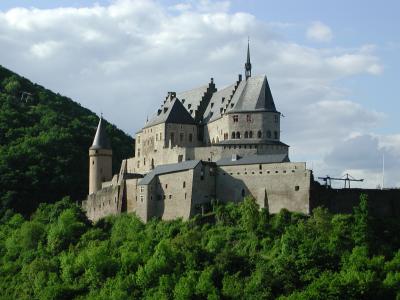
(100, 159)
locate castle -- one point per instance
(201, 145)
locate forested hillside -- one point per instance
(243, 253)
(44, 141)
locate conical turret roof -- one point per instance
(101, 139)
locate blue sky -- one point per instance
(333, 66)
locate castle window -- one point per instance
(276, 135)
(181, 137)
(259, 134)
(190, 137)
(246, 135)
(141, 198)
(166, 185)
(164, 197)
(184, 184)
(142, 189)
(269, 134)
(251, 134)
(276, 118)
(225, 136)
(170, 197)
(144, 161)
(172, 137)
(243, 193)
(238, 135)
(260, 166)
(233, 135)
(138, 152)
(92, 162)
(235, 118)
(296, 188)
(248, 118)
(185, 195)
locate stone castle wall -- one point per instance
(276, 186)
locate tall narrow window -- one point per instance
(269, 134)
(190, 137)
(233, 135)
(181, 137)
(238, 135)
(248, 118)
(251, 134)
(259, 134)
(172, 138)
(235, 118)
(184, 184)
(246, 135)
(276, 135)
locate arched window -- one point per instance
(269, 134)
(246, 135)
(238, 135)
(259, 134)
(251, 134)
(184, 184)
(213, 141)
(233, 135)
(276, 135)
(217, 140)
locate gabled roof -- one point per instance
(253, 94)
(172, 111)
(253, 159)
(170, 168)
(101, 139)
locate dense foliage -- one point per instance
(240, 252)
(44, 141)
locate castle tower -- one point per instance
(247, 65)
(100, 159)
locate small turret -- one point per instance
(100, 159)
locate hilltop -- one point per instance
(44, 141)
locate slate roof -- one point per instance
(250, 141)
(101, 139)
(213, 110)
(253, 94)
(172, 111)
(170, 168)
(191, 99)
(254, 159)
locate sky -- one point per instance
(333, 67)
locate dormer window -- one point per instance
(212, 104)
(189, 105)
(183, 101)
(223, 99)
(165, 109)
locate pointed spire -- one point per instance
(101, 140)
(247, 65)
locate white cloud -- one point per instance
(45, 49)
(319, 32)
(121, 60)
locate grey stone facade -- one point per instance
(201, 145)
